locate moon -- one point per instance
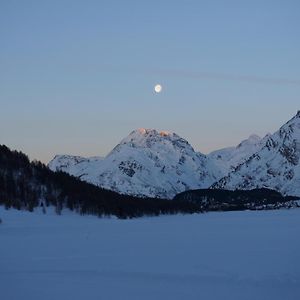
(157, 88)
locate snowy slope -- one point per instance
(275, 166)
(74, 165)
(146, 162)
(229, 158)
(213, 256)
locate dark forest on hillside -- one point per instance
(27, 185)
(222, 200)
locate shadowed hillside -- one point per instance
(27, 185)
(222, 200)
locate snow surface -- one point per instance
(232, 255)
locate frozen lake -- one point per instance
(232, 255)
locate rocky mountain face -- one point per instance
(227, 159)
(275, 165)
(146, 162)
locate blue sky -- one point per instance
(78, 76)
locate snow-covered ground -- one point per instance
(232, 255)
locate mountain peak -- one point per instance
(149, 136)
(145, 138)
(150, 131)
(164, 133)
(253, 139)
(296, 118)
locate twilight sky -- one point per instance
(78, 76)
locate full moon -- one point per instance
(158, 88)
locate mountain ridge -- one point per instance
(155, 163)
(148, 162)
(275, 165)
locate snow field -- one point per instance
(232, 255)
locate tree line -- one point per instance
(224, 200)
(27, 185)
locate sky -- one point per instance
(78, 76)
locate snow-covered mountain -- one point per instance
(276, 165)
(146, 162)
(162, 164)
(229, 158)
